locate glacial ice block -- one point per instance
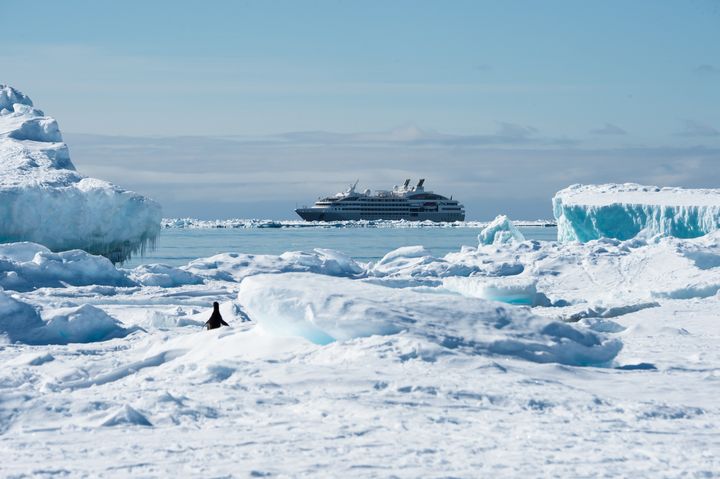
(622, 211)
(45, 200)
(499, 231)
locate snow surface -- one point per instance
(45, 200)
(407, 367)
(623, 211)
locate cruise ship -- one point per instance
(404, 202)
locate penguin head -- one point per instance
(216, 306)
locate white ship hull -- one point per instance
(321, 214)
(402, 203)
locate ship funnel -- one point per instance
(407, 183)
(420, 183)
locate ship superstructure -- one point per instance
(404, 202)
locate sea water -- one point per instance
(178, 246)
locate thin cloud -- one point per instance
(695, 128)
(506, 134)
(512, 130)
(609, 129)
(706, 69)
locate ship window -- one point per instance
(427, 196)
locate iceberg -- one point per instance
(500, 230)
(45, 200)
(622, 211)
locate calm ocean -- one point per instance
(178, 246)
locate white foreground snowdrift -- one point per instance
(45, 200)
(323, 309)
(622, 211)
(419, 380)
(21, 323)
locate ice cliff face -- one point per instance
(45, 200)
(622, 211)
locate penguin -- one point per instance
(216, 319)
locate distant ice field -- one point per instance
(178, 246)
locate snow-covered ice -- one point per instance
(45, 200)
(323, 309)
(237, 266)
(509, 359)
(25, 266)
(511, 290)
(622, 211)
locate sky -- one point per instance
(251, 108)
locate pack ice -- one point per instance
(509, 358)
(45, 200)
(622, 211)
